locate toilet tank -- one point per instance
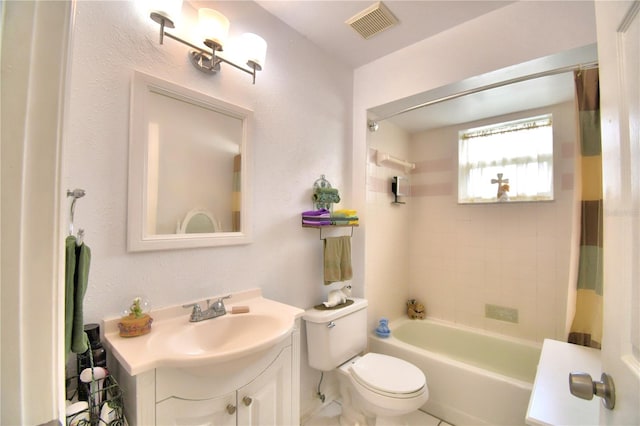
(337, 335)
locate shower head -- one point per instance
(373, 126)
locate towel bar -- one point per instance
(320, 227)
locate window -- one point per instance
(515, 156)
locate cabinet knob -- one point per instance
(231, 409)
(247, 401)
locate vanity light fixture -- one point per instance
(213, 27)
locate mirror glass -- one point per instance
(188, 175)
(199, 222)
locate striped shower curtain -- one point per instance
(586, 329)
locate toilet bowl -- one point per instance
(375, 386)
(375, 389)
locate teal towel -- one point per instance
(77, 261)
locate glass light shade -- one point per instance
(213, 26)
(254, 49)
(171, 10)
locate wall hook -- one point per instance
(76, 193)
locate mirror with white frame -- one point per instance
(188, 158)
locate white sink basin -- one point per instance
(220, 337)
(176, 342)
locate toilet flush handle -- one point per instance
(331, 324)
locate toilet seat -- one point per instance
(388, 376)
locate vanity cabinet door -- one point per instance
(220, 411)
(266, 401)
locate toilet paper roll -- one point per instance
(107, 413)
(77, 413)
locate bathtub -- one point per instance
(474, 377)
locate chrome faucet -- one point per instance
(214, 310)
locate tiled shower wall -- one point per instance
(463, 257)
(388, 228)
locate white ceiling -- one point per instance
(323, 23)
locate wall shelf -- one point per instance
(304, 225)
(382, 159)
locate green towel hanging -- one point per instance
(77, 262)
(337, 259)
(70, 273)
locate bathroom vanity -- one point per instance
(234, 369)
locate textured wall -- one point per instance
(389, 238)
(301, 104)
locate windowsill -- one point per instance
(510, 201)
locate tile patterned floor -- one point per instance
(329, 415)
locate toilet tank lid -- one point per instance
(323, 316)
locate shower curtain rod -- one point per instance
(561, 70)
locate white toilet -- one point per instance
(375, 389)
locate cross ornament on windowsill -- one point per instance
(503, 187)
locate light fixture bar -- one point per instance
(204, 60)
(193, 46)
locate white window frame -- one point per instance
(522, 150)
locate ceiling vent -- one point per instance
(373, 20)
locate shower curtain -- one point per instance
(586, 329)
(236, 195)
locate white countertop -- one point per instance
(160, 347)
(551, 402)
